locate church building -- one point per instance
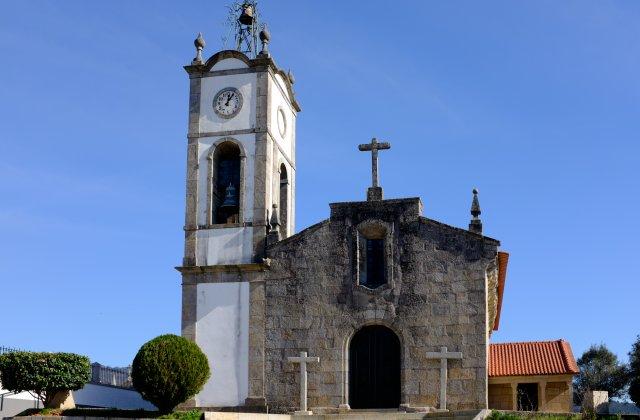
(379, 306)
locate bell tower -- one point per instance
(240, 193)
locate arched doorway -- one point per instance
(374, 368)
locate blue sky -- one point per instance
(535, 103)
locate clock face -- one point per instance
(228, 102)
(282, 122)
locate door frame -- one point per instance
(345, 358)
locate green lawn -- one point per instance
(113, 412)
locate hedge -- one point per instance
(43, 374)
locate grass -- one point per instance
(502, 415)
(113, 412)
(499, 415)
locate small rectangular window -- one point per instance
(372, 264)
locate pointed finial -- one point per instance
(476, 224)
(275, 218)
(199, 44)
(291, 78)
(273, 234)
(265, 38)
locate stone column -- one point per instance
(542, 396)
(257, 302)
(514, 394)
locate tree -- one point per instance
(169, 370)
(634, 372)
(43, 374)
(600, 370)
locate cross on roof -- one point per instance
(373, 147)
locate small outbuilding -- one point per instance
(531, 376)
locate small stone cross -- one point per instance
(303, 359)
(373, 147)
(443, 355)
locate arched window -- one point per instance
(225, 183)
(284, 201)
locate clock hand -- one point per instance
(228, 99)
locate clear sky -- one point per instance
(535, 103)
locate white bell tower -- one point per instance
(240, 193)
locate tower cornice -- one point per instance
(256, 64)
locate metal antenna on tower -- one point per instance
(243, 21)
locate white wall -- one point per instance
(229, 63)
(13, 404)
(224, 246)
(278, 100)
(222, 332)
(246, 118)
(90, 395)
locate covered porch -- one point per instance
(531, 376)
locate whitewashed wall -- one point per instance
(222, 332)
(280, 100)
(229, 63)
(224, 246)
(246, 118)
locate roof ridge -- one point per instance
(567, 356)
(529, 342)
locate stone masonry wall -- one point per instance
(436, 296)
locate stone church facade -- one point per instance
(375, 291)
(441, 289)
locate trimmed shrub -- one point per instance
(44, 374)
(169, 370)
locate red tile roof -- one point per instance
(531, 358)
(503, 259)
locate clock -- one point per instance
(228, 102)
(282, 122)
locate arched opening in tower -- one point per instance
(226, 184)
(284, 201)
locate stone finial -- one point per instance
(476, 224)
(274, 226)
(265, 37)
(199, 44)
(275, 218)
(292, 79)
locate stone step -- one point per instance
(389, 414)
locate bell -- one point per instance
(246, 18)
(230, 198)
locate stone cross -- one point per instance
(303, 359)
(373, 147)
(443, 355)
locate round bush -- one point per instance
(44, 374)
(169, 370)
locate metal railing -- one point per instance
(7, 349)
(105, 375)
